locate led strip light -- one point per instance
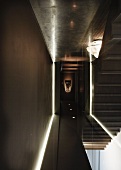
(42, 150)
(44, 145)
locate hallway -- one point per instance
(59, 100)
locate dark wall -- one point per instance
(25, 86)
(51, 153)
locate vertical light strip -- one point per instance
(53, 53)
(90, 57)
(91, 100)
(53, 35)
(44, 145)
(53, 88)
(52, 2)
(43, 148)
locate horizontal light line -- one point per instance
(109, 85)
(72, 65)
(107, 95)
(71, 68)
(107, 104)
(108, 111)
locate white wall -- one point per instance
(94, 158)
(108, 159)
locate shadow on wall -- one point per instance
(4, 126)
(3, 138)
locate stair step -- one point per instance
(98, 131)
(112, 57)
(109, 118)
(107, 98)
(110, 72)
(94, 147)
(107, 88)
(107, 106)
(109, 78)
(116, 30)
(114, 49)
(96, 140)
(95, 135)
(113, 130)
(111, 65)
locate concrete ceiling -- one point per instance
(67, 24)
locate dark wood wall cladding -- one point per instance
(25, 86)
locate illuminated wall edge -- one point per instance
(42, 149)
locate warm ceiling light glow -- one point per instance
(53, 29)
(53, 39)
(94, 47)
(52, 2)
(72, 24)
(74, 6)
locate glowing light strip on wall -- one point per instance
(44, 145)
(53, 88)
(91, 101)
(53, 26)
(43, 148)
(91, 95)
(53, 42)
(40, 157)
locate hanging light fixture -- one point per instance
(67, 85)
(94, 47)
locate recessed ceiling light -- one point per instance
(72, 24)
(73, 117)
(74, 5)
(70, 109)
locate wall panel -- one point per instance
(25, 86)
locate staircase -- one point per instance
(107, 92)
